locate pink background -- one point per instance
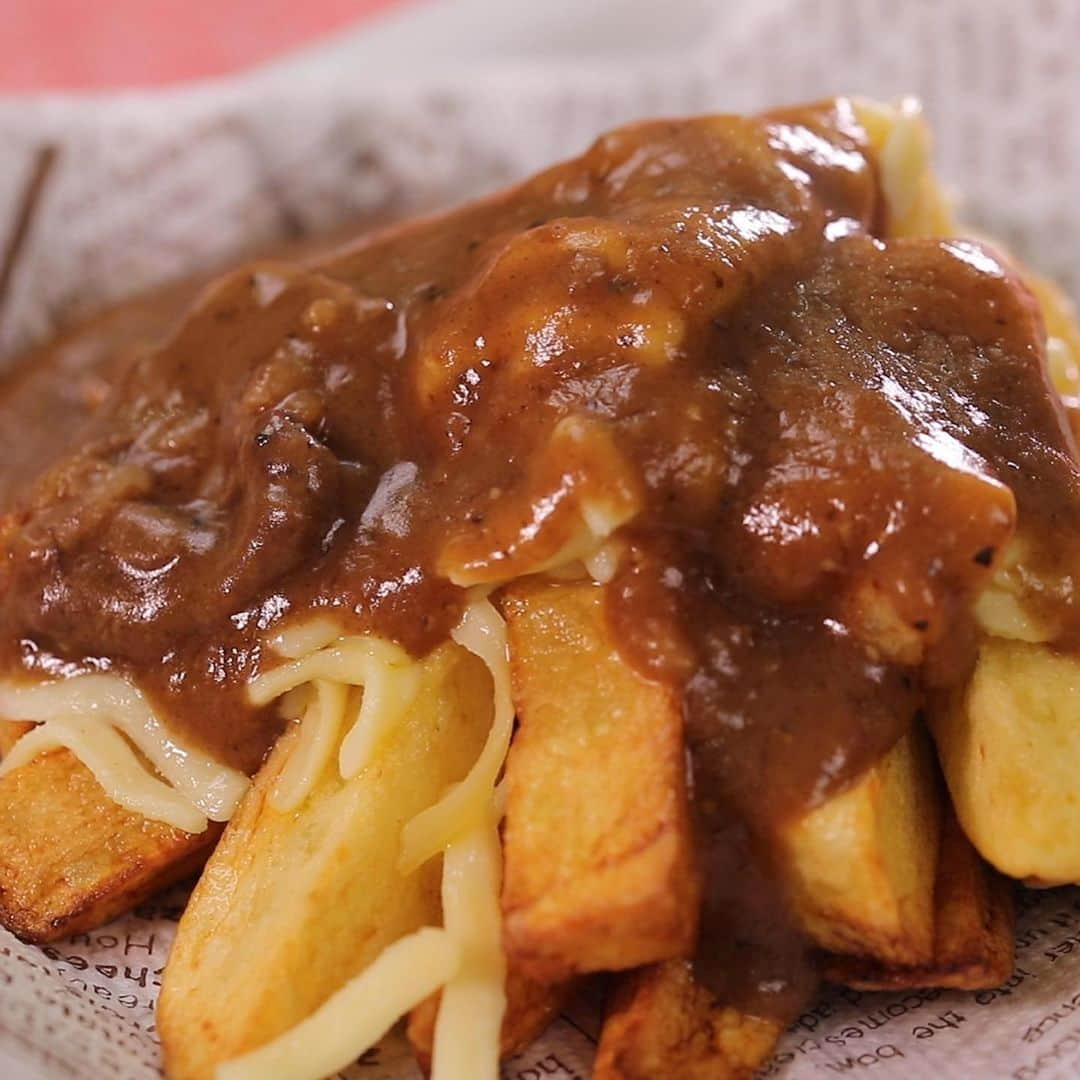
(108, 44)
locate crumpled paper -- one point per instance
(107, 195)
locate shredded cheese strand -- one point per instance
(111, 704)
(306, 637)
(314, 746)
(473, 997)
(474, 1000)
(390, 679)
(389, 690)
(903, 158)
(347, 660)
(294, 704)
(114, 765)
(356, 1017)
(483, 632)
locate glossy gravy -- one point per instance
(814, 445)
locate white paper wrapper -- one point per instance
(135, 189)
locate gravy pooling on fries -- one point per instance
(695, 364)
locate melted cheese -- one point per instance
(467, 1030)
(359, 1014)
(918, 205)
(483, 632)
(101, 717)
(464, 959)
(389, 690)
(305, 638)
(389, 679)
(345, 659)
(319, 730)
(115, 767)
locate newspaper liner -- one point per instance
(99, 197)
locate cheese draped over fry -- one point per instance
(109, 725)
(464, 959)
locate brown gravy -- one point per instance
(822, 442)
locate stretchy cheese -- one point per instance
(483, 632)
(358, 1015)
(474, 1000)
(465, 959)
(320, 728)
(115, 767)
(97, 716)
(304, 638)
(389, 680)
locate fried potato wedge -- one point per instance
(974, 929)
(530, 1007)
(861, 866)
(292, 905)
(661, 1024)
(71, 859)
(600, 872)
(1010, 747)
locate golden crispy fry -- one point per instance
(292, 905)
(71, 859)
(530, 1007)
(1009, 746)
(862, 865)
(974, 929)
(661, 1024)
(600, 870)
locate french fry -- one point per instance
(600, 870)
(71, 859)
(662, 1024)
(861, 866)
(974, 929)
(294, 904)
(1009, 746)
(530, 1007)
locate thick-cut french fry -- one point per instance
(861, 866)
(530, 1007)
(1009, 746)
(661, 1024)
(974, 929)
(600, 869)
(71, 859)
(294, 904)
